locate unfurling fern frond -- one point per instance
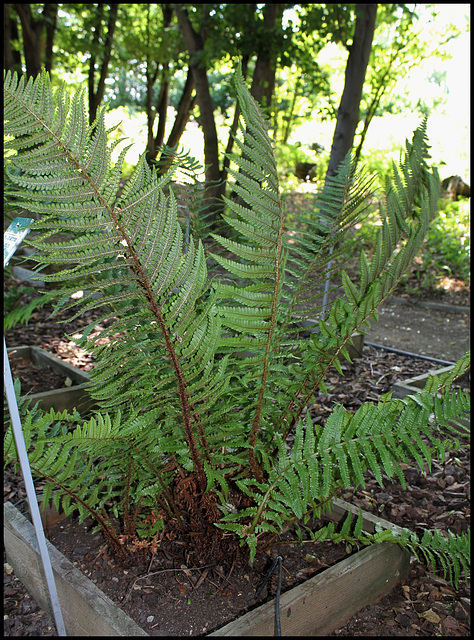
(202, 378)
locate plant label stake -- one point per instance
(13, 237)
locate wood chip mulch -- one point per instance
(438, 498)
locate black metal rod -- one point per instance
(277, 599)
(278, 560)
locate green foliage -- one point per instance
(448, 242)
(201, 381)
(445, 252)
(15, 310)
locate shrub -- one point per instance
(448, 241)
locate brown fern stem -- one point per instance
(126, 507)
(144, 284)
(183, 395)
(258, 412)
(102, 518)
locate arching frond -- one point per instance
(202, 377)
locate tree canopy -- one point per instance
(150, 57)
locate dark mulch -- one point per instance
(173, 587)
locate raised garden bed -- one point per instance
(316, 607)
(357, 567)
(417, 383)
(85, 609)
(74, 394)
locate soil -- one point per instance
(172, 594)
(424, 327)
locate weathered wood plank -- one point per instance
(325, 602)
(58, 399)
(86, 610)
(45, 359)
(340, 508)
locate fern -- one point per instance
(17, 313)
(201, 377)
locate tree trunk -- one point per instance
(96, 96)
(35, 45)
(290, 115)
(185, 106)
(92, 61)
(195, 44)
(378, 95)
(163, 98)
(150, 113)
(162, 107)
(263, 81)
(348, 113)
(50, 22)
(11, 56)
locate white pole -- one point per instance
(30, 492)
(12, 238)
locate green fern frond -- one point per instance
(451, 552)
(131, 256)
(376, 438)
(200, 380)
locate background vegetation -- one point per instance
(164, 72)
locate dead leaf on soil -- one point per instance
(431, 616)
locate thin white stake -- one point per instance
(31, 493)
(12, 238)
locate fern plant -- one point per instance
(202, 382)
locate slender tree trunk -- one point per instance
(50, 21)
(290, 115)
(150, 113)
(35, 44)
(194, 42)
(367, 120)
(150, 83)
(162, 106)
(379, 93)
(11, 56)
(348, 113)
(185, 107)
(96, 95)
(263, 80)
(163, 99)
(92, 61)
